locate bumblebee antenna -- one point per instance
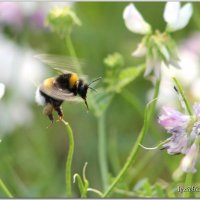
(94, 81)
(93, 89)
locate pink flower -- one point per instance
(172, 119)
(185, 137)
(11, 14)
(37, 19)
(178, 142)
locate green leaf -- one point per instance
(159, 190)
(140, 184)
(147, 188)
(128, 75)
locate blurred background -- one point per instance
(32, 158)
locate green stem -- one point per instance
(95, 191)
(126, 193)
(153, 106)
(188, 178)
(72, 52)
(187, 105)
(5, 189)
(68, 175)
(102, 151)
(188, 183)
(134, 151)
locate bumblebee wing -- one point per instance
(63, 70)
(56, 92)
(61, 63)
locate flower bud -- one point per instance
(114, 60)
(61, 20)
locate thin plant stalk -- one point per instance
(135, 149)
(102, 151)
(153, 105)
(188, 183)
(95, 191)
(188, 178)
(68, 174)
(72, 52)
(187, 105)
(5, 189)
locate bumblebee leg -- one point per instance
(60, 113)
(48, 109)
(51, 119)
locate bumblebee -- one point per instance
(65, 87)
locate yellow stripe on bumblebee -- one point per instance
(73, 80)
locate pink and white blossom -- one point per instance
(171, 119)
(185, 139)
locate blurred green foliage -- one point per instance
(32, 158)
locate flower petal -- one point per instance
(175, 64)
(189, 161)
(185, 15)
(183, 18)
(171, 12)
(2, 90)
(149, 67)
(178, 142)
(140, 51)
(157, 69)
(134, 20)
(196, 109)
(172, 119)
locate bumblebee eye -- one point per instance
(82, 90)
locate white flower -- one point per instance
(177, 17)
(2, 90)
(27, 73)
(134, 20)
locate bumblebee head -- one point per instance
(83, 88)
(82, 91)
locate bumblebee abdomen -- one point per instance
(39, 98)
(49, 82)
